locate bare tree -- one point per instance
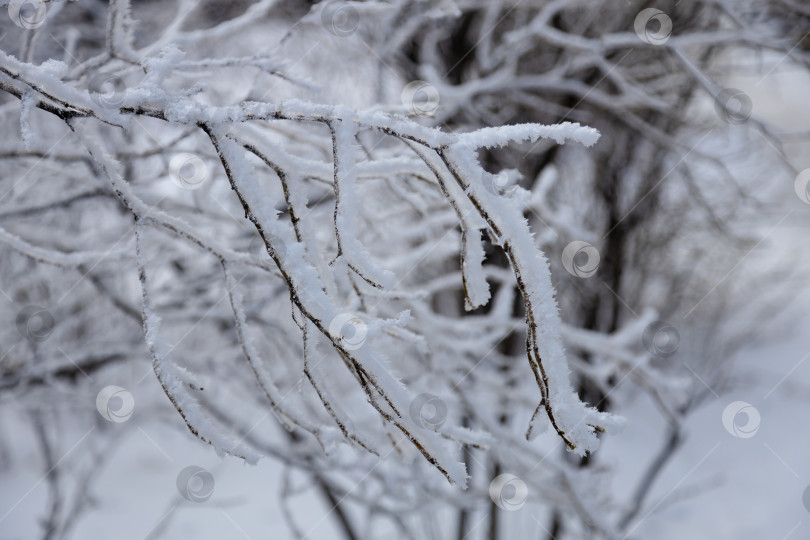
(642, 74)
(381, 273)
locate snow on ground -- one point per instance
(722, 486)
(717, 486)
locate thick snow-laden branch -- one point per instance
(574, 421)
(502, 136)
